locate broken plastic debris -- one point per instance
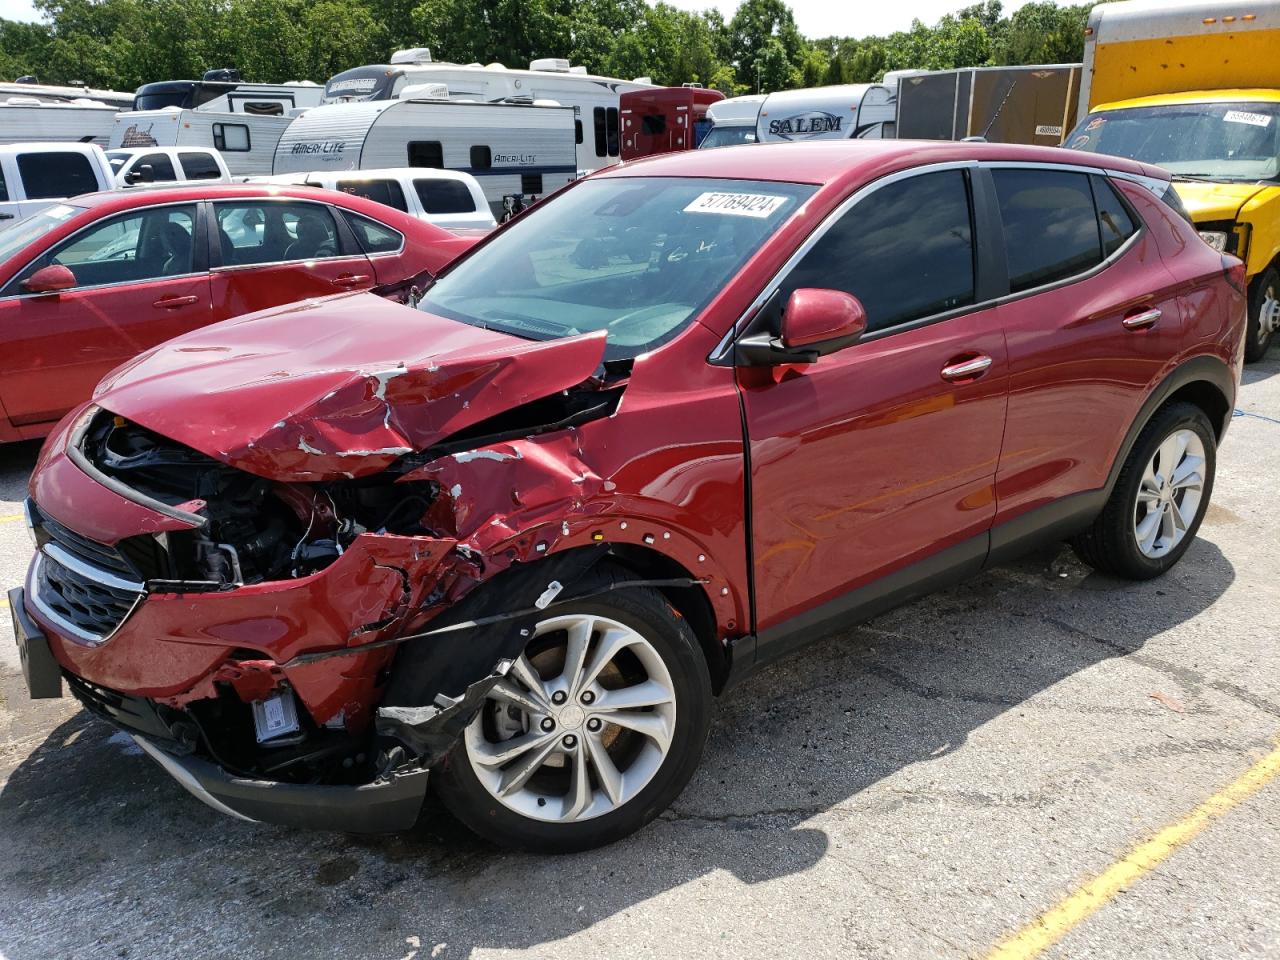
(549, 594)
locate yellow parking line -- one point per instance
(1058, 921)
(11, 518)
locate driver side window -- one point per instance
(905, 250)
(145, 245)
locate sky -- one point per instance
(816, 18)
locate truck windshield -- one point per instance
(1212, 141)
(638, 257)
(727, 137)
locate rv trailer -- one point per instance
(412, 73)
(222, 91)
(863, 111)
(24, 119)
(665, 120)
(518, 152)
(48, 93)
(246, 141)
(1030, 104)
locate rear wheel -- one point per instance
(1264, 315)
(1159, 498)
(598, 726)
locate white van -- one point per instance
(37, 175)
(733, 121)
(447, 198)
(518, 152)
(138, 165)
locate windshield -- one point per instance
(32, 228)
(1214, 141)
(638, 257)
(117, 159)
(728, 137)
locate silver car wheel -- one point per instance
(1268, 314)
(579, 726)
(1170, 493)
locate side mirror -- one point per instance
(814, 322)
(822, 320)
(50, 279)
(143, 173)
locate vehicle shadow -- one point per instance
(1262, 369)
(16, 463)
(98, 836)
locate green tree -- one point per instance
(763, 37)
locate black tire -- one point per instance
(1110, 545)
(1266, 286)
(648, 612)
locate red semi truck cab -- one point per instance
(664, 119)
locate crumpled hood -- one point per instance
(339, 387)
(1214, 201)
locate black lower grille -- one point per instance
(93, 607)
(81, 547)
(135, 714)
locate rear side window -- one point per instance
(252, 233)
(906, 251)
(48, 175)
(426, 153)
(161, 166)
(199, 166)
(231, 137)
(374, 237)
(385, 192)
(444, 196)
(1050, 226)
(1114, 222)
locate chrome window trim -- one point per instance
(725, 345)
(195, 204)
(75, 632)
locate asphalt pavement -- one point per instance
(1042, 758)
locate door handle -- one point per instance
(970, 369)
(350, 279)
(7, 216)
(173, 303)
(1142, 319)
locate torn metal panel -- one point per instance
(333, 405)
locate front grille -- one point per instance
(89, 607)
(81, 547)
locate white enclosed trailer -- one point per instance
(247, 142)
(25, 118)
(518, 152)
(842, 112)
(594, 99)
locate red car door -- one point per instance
(275, 251)
(884, 453)
(141, 279)
(1093, 324)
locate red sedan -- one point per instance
(91, 283)
(668, 426)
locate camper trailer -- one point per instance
(518, 152)
(246, 141)
(222, 91)
(863, 111)
(595, 100)
(36, 111)
(733, 121)
(1032, 104)
(47, 93)
(664, 120)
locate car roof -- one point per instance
(111, 200)
(852, 161)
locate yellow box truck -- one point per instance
(1194, 86)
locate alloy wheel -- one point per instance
(1268, 314)
(1170, 493)
(579, 726)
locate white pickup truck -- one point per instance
(134, 166)
(37, 175)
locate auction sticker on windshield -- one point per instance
(758, 205)
(1243, 116)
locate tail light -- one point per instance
(1233, 270)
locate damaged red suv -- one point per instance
(664, 428)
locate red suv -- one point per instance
(92, 282)
(667, 426)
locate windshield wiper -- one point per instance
(1202, 177)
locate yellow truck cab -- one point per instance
(1194, 87)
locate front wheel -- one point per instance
(1159, 499)
(1264, 315)
(597, 727)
